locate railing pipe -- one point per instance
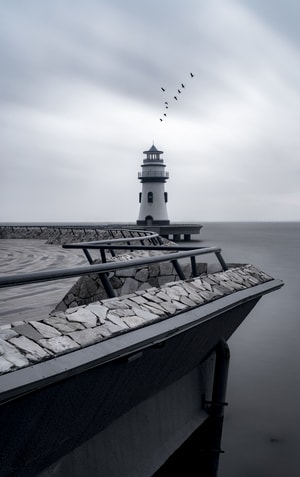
(48, 275)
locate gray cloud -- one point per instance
(80, 100)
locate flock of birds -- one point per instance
(175, 97)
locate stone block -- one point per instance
(12, 354)
(187, 301)
(153, 270)
(166, 268)
(144, 286)
(5, 365)
(172, 292)
(134, 321)
(169, 307)
(99, 310)
(130, 286)
(163, 296)
(33, 351)
(109, 329)
(46, 331)
(155, 308)
(125, 272)
(60, 344)
(86, 337)
(151, 297)
(142, 275)
(83, 316)
(62, 324)
(116, 320)
(6, 334)
(6, 326)
(138, 299)
(144, 313)
(179, 305)
(29, 331)
(115, 303)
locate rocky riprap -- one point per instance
(24, 344)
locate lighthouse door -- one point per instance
(149, 220)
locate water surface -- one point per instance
(261, 435)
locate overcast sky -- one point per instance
(81, 99)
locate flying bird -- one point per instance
(179, 91)
(182, 85)
(163, 89)
(165, 114)
(167, 107)
(192, 76)
(166, 102)
(160, 119)
(175, 98)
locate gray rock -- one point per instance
(45, 330)
(130, 286)
(86, 337)
(5, 326)
(187, 301)
(125, 272)
(169, 307)
(138, 299)
(116, 320)
(28, 331)
(155, 308)
(109, 329)
(144, 313)
(6, 334)
(99, 310)
(33, 351)
(5, 365)
(83, 316)
(134, 321)
(12, 354)
(166, 268)
(60, 344)
(63, 325)
(142, 275)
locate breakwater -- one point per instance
(61, 233)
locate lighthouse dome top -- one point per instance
(153, 154)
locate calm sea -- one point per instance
(261, 435)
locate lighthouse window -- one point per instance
(166, 196)
(140, 197)
(150, 196)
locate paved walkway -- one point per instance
(34, 301)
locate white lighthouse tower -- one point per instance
(153, 198)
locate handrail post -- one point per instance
(178, 269)
(107, 285)
(88, 255)
(193, 266)
(103, 256)
(221, 261)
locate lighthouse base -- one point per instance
(173, 231)
(151, 222)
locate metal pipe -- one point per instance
(178, 269)
(48, 275)
(88, 255)
(215, 407)
(221, 260)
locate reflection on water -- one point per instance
(261, 435)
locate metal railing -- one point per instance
(143, 174)
(104, 268)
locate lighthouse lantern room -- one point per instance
(153, 198)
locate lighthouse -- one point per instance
(153, 198)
